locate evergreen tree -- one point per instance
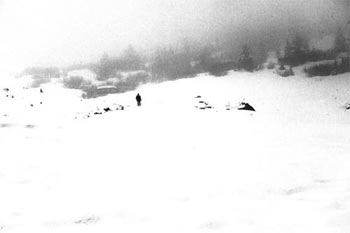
(340, 42)
(205, 58)
(245, 61)
(130, 60)
(295, 52)
(105, 69)
(288, 50)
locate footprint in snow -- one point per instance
(88, 220)
(322, 181)
(213, 225)
(5, 125)
(295, 190)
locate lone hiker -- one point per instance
(138, 99)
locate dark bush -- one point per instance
(260, 67)
(343, 66)
(90, 92)
(320, 70)
(282, 71)
(271, 65)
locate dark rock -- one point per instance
(245, 106)
(203, 102)
(120, 107)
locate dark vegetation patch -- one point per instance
(94, 91)
(270, 65)
(284, 71)
(337, 66)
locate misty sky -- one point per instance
(60, 32)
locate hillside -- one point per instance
(174, 165)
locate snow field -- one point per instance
(171, 167)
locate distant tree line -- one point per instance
(108, 67)
(189, 59)
(297, 52)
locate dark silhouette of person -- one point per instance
(138, 99)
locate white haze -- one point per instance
(61, 32)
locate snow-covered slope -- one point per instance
(170, 166)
